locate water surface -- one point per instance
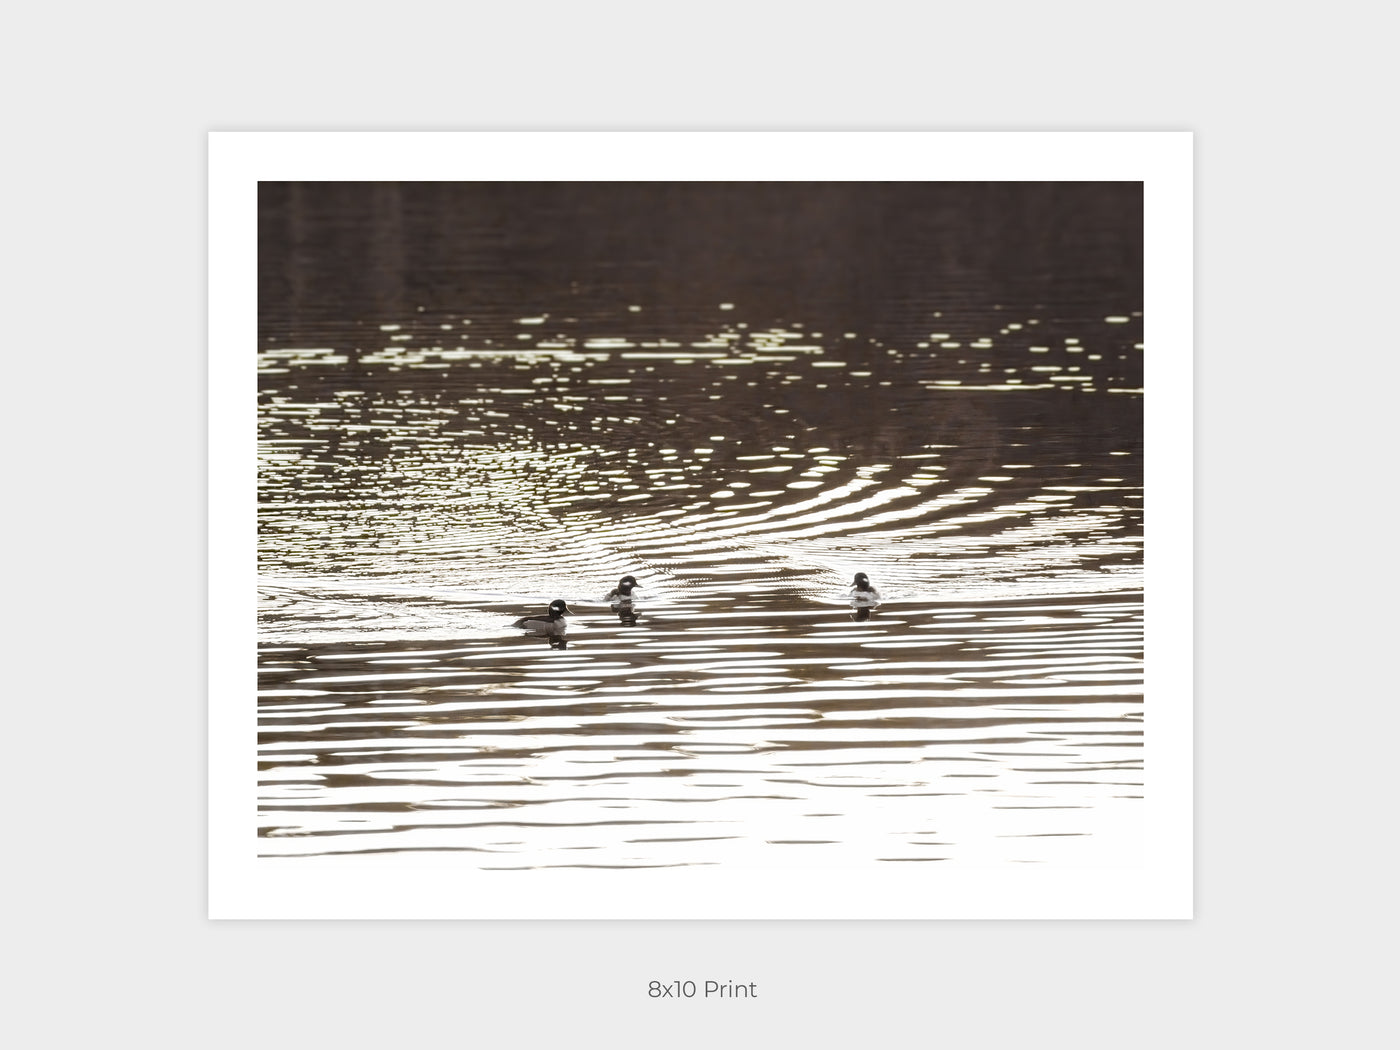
(428, 474)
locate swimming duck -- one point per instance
(623, 591)
(553, 623)
(862, 590)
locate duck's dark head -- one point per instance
(626, 584)
(557, 608)
(862, 581)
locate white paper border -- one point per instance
(243, 886)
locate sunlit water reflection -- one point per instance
(425, 482)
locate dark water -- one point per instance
(477, 399)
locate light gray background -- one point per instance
(107, 109)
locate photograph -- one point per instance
(752, 531)
(727, 525)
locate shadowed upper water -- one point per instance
(430, 477)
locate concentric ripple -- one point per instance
(424, 483)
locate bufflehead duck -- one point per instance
(862, 590)
(623, 591)
(553, 623)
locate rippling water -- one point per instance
(428, 476)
